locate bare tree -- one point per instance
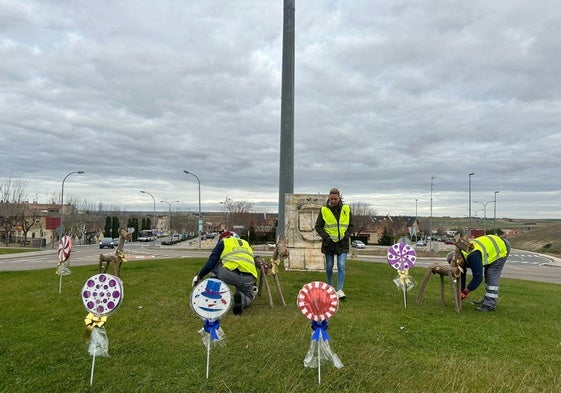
(13, 193)
(361, 217)
(239, 212)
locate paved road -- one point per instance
(521, 264)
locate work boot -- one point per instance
(237, 310)
(485, 309)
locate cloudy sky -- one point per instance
(392, 99)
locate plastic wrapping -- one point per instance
(99, 342)
(205, 336)
(325, 354)
(404, 281)
(63, 269)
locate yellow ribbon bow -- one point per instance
(275, 263)
(92, 321)
(404, 278)
(121, 254)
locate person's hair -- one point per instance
(334, 191)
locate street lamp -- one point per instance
(200, 222)
(430, 221)
(227, 208)
(155, 227)
(484, 215)
(62, 201)
(495, 214)
(469, 187)
(169, 206)
(416, 219)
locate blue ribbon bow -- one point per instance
(320, 330)
(212, 328)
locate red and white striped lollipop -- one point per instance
(402, 256)
(64, 248)
(318, 301)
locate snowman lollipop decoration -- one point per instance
(211, 299)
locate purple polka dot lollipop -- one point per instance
(401, 256)
(102, 294)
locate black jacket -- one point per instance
(328, 246)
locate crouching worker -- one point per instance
(486, 257)
(232, 261)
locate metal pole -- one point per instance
(484, 204)
(62, 232)
(169, 206)
(416, 219)
(155, 227)
(495, 214)
(430, 221)
(469, 188)
(199, 224)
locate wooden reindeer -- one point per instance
(115, 259)
(453, 270)
(271, 268)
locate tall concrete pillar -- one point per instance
(286, 167)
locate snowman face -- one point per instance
(211, 304)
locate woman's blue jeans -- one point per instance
(341, 262)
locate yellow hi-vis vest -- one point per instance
(492, 247)
(336, 229)
(238, 254)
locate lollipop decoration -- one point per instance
(318, 302)
(102, 294)
(211, 299)
(402, 257)
(64, 251)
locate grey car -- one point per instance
(106, 242)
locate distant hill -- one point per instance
(539, 235)
(544, 239)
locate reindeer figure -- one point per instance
(453, 270)
(117, 259)
(271, 269)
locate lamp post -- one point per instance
(495, 214)
(430, 221)
(62, 201)
(226, 205)
(154, 199)
(416, 218)
(169, 206)
(469, 188)
(199, 225)
(484, 204)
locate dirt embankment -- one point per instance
(543, 240)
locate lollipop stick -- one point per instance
(60, 280)
(93, 366)
(207, 355)
(319, 362)
(405, 295)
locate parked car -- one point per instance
(358, 244)
(116, 241)
(421, 243)
(106, 242)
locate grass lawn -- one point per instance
(385, 347)
(12, 250)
